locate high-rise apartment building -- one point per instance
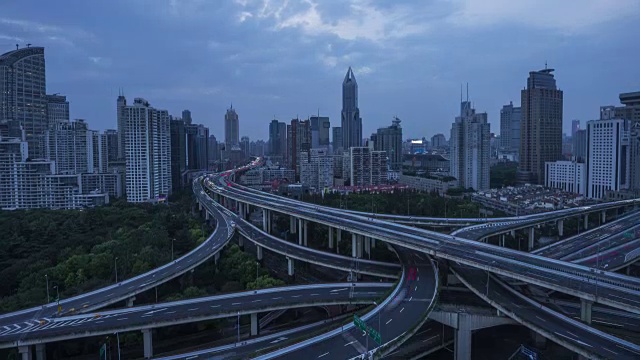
(389, 140)
(469, 148)
(364, 166)
(541, 126)
(197, 145)
(351, 120)
(214, 154)
(231, 128)
(608, 160)
(121, 103)
(245, 144)
(510, 117)
(298, 141)
(97, 152)
(337, 140)
(112, 145)
(23, 99)
(277, 138)
(320, 127)
(57, 109)
(186, 117)
(438, 141)
(148, 152)
(69, 145)
(316, 169)
(178, 151)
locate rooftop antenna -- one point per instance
(17, 46)
(467, 92)
(28, 45)
(545, 64)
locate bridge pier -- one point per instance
(560, 225)
(254, 324)
(130, 301)
(41, 352)
(502, 240)
(290, 267)
(264, 220)
(367, 246)
(305, 227)
(585, 310)
(462, 344)
(354, 246)
(531, 238)
(359, 242)
(199, 206)
(240, 240)
(216, 258)
(603, 216)
(25, 352)
(586, 221)
(300, 232)
(147, 341)
(339, 233)
(269, 221)
(330, 237)
(206, 216)
(373, 242)
(292, 225)
(259, 252)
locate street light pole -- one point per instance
(118, 339)
(58, 298)
(115, 265)
(172, 240)
(48, 298)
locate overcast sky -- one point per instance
(288, 58)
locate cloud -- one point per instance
(100, 61)
(356, 20)
(567, 15)
(63, 35)
(12, 38)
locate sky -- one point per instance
(287, 58)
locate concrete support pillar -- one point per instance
(264, 220)
(130, 301)
(25, 352)
(603, 216)
(254, 324)
(240, 240)
(513, 233)
(41, 352)
(354, 246)
(290, 267)
(240, 213)
(216, 258)
(339, 233)
(586, 221)
(147, 340)
(367, 245)
(360, 246)
(462, 344)
(532, 232)
(292, 225)
(300, 232)
(502, 240)
(305, 226)
(585, 310)
(330, 237)
(539, 340)
(269, 222)
(259, 252)
(561, 227)
(206, 215)
(199, 206)
(373, 242)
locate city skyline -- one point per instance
(89, 61)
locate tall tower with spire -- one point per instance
(351, 121)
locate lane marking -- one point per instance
(349, 343)
(388, 322)
(194, 309)
(236, 303)
(325, 354)
(401, 310)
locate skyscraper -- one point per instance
(276, 137)
(320, 126)
(337, 140)
(631, 111)
(23, 100)
(298, 141)
(186, 117)
(214, 154)
(231, 128)
(575, 126)
(351, 121)
(148, 152)
(438, 140)
(469, 148)
(510, 117)
(178, 151)
(197, 145)
(112, 145)
(389, 139)
(57, 109)
(541, 126)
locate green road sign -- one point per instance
(103, 352)
(373, 333)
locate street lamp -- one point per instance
(48, 298)
(257, 268)
(58, 297)
(172, 240)
(118, 339)
(115, 265)
(379, 316)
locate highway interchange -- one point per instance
(399, 314)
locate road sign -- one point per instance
(373, 333)
(103, 352)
